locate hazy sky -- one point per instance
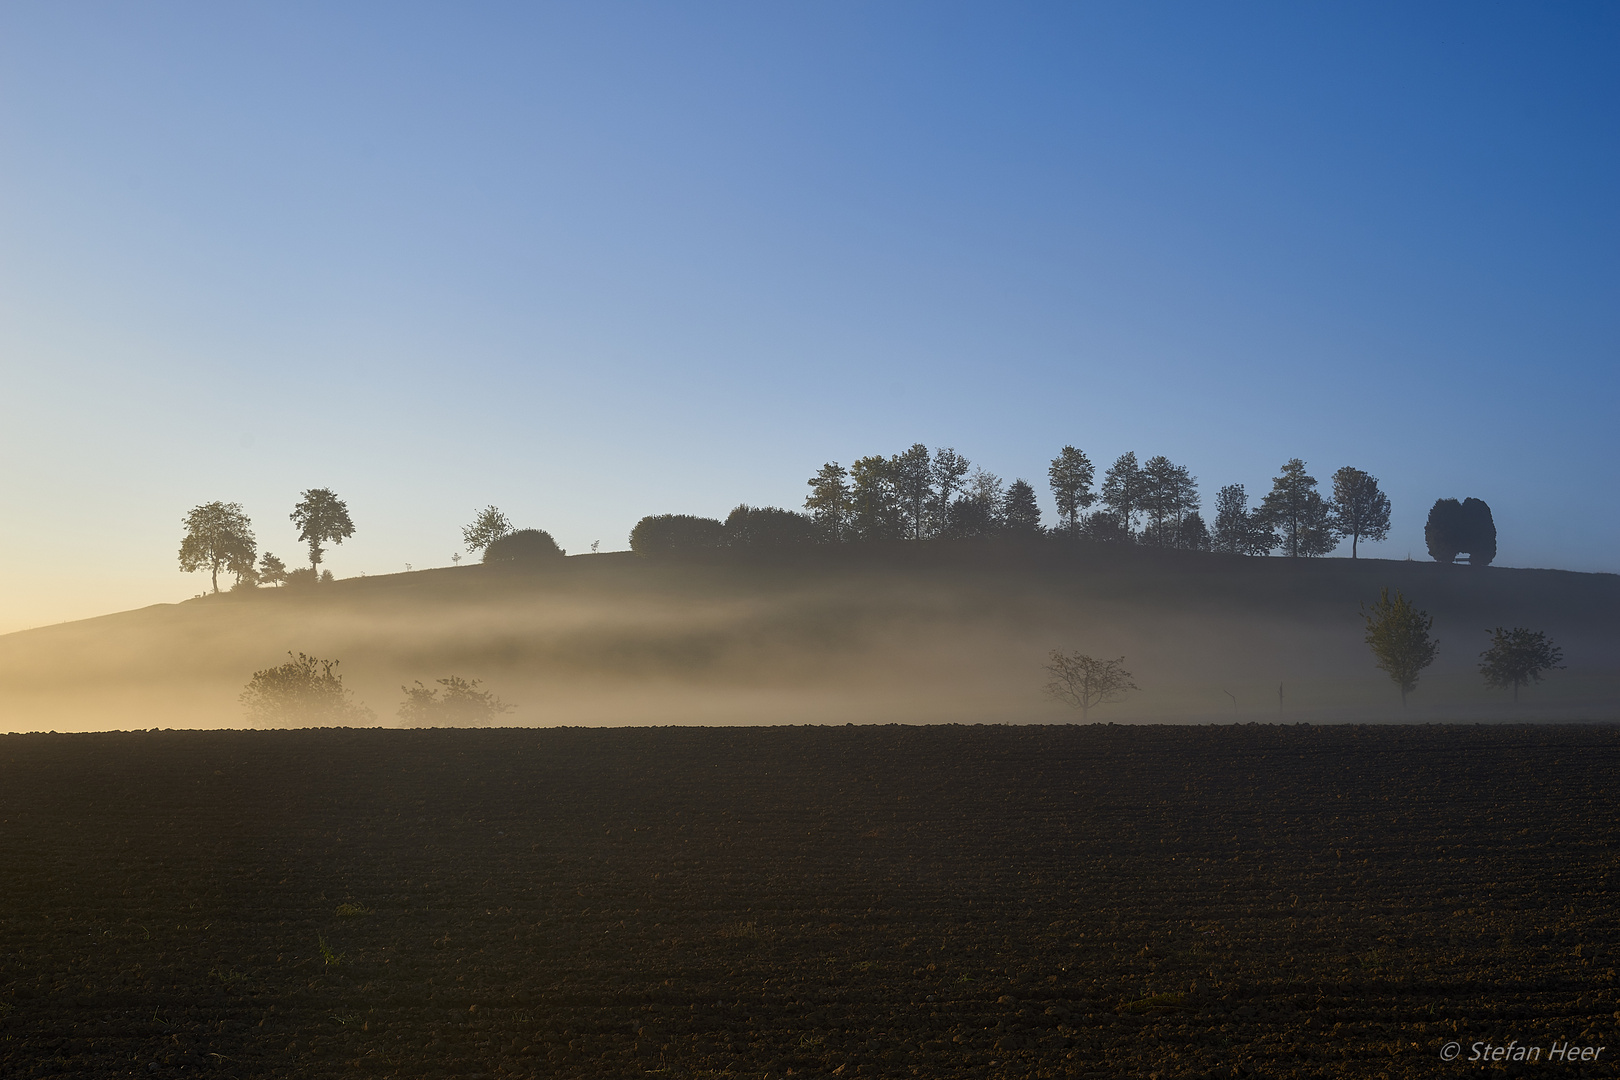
(594, 261)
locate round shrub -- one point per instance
(523, 546)
(767, 526)
(667, 534)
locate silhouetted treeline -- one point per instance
(940, 495)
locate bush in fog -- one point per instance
(303, 577)
(523, 546)
(766, 526)
(457, 703)
(1084, 682)
(304, 690)
(1517, 657)
(667, 534)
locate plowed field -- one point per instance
(847, 901)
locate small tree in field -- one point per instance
(218, 537)
(1517, 657)
(1398, 634)
(1083, 681)
(489, 526)
(272, 571)
(303, 690)
(459, 704)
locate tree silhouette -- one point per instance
(489, 526)
(948, 471)
(1517, 657)
(1299, 515)
(1169, 494)
(321, 518)
(1359, 509)
(1023, 513)
(1238, 530)
(1122, 492)
(1479, 531)
(1398, 634)
(272, 570)
(523, 547)
(218, 537)
(1070, 476)
(912, 475)
(667, 534)
(874, 503)
(1085, 681)
(767, 527)
(828, 502)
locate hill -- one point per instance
(935, 632)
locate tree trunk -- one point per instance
(215, 569)
(1354, 537)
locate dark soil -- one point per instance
(849, 901)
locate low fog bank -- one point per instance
(912, 634)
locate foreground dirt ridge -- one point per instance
(871, 901)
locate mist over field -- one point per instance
(945, 633)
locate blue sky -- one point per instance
(589, 262)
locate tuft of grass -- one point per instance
(330, 958)
(228, 976)
(345, 1021)
(353, 911)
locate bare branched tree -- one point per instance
(1084, 681)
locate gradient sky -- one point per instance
(589, 262)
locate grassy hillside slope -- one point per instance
(911, 633)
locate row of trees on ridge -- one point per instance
(918, 495)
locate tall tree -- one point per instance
(1122, 491)
(321, 518)
(948, 472)
(1071, 475)
(1398, 634)
(1023, 512)
(1232, 524)
(1517, 657)
(982, 509)
(874, 505)
(218, 537)
(913, 480)
(1359, 510)
(489, 526)
(1192, 534)
(829, 502)
(1168, 494)
(1297, 513)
